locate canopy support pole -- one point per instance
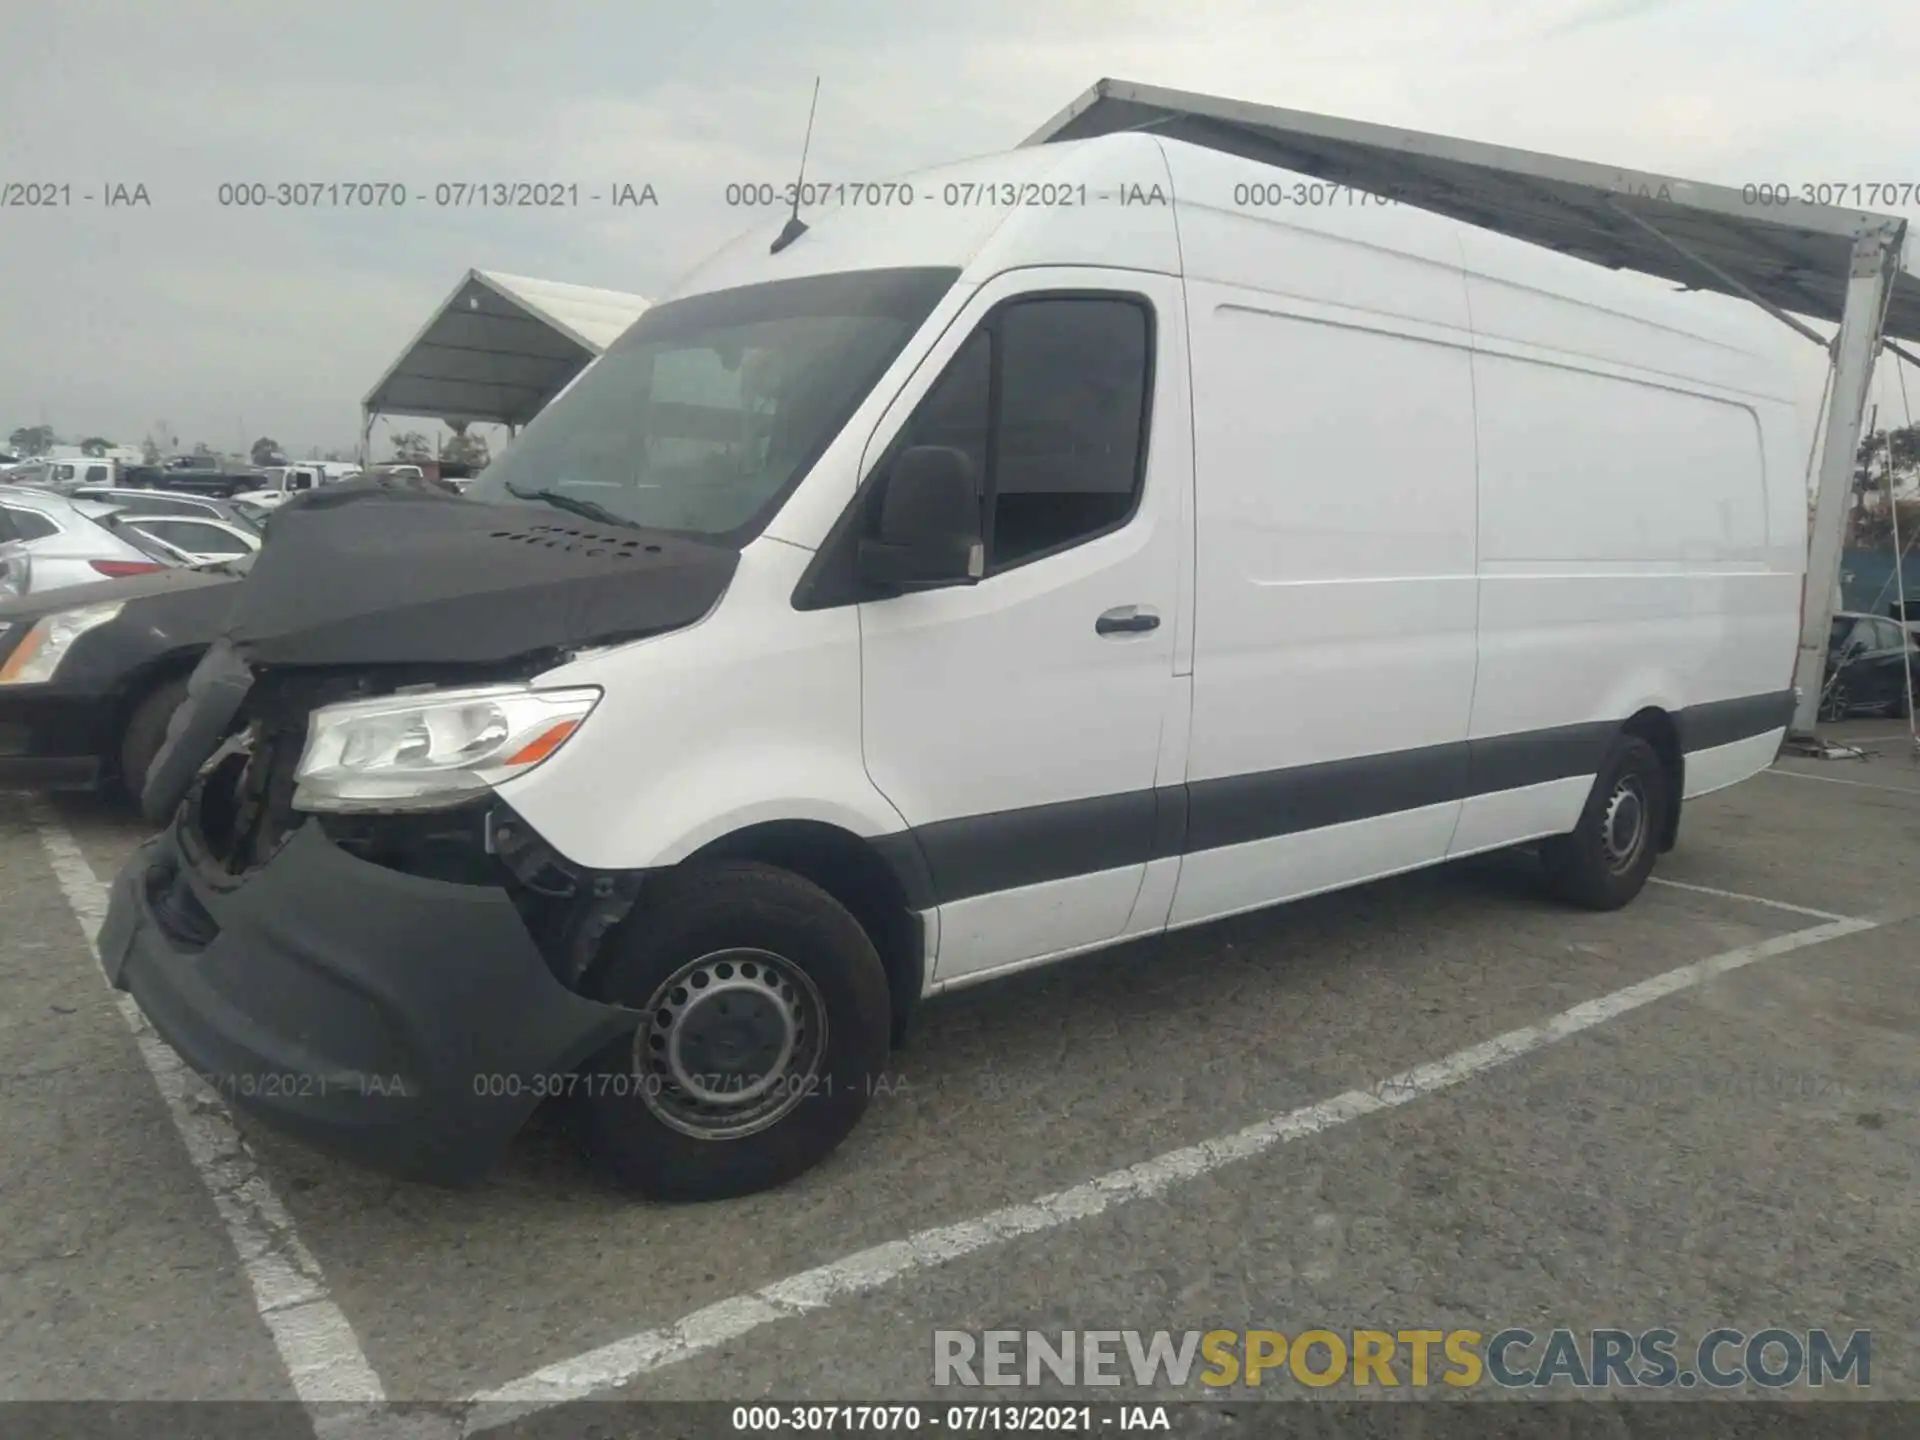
(1876, 258)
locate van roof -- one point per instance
(942, 217)
(1072, 210)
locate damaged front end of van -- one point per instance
(342, 927)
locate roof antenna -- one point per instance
(795, 226)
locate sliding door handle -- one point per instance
(1126, 620)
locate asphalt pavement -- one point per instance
(1702, 1112)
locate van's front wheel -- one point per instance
(766, 1029)
(1605, 862)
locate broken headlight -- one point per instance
(431, 749)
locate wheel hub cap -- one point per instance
(731, 1043)
(1626, 825)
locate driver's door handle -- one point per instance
(1126, 620)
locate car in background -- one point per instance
(186, 539)
(16, 563)
(280, 483)
(69, 545)
(1869, 661)
(166, 502)
(90, 675)
(221, 484)
(27, 473)
(83, 472)
(1907, 614)
(252, 514)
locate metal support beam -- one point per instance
(366, 436)
(1906, 355)
(1876, 258)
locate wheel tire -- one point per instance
(146, 730)
(681, 919)
(1595, 867)
(1836, 704)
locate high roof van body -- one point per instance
(1062, 547)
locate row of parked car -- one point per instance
(50, 540)
(109, 596)
(115, 594)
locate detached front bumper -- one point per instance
(405, 1023)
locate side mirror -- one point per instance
(929, 523)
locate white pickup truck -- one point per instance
(286, 481)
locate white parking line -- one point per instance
(1838, 780)
(615, 1365)
(1742, 896)
(322, 1354)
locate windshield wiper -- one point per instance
(562, 501)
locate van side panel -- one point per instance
(1623, 530)
(1629, 548)
(1335, 586)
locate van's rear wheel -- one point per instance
(1605, 862)
(766, 1029)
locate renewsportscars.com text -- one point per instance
(1511, 1358)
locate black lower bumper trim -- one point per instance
(407, 1024)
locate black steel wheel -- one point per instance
(765, 1030)
(1607, 858)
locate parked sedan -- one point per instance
(1868, 662)
(166, 502)
(191, 541)
(68, 545)
(90, 675)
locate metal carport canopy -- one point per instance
(500, 347)
(1789, 257)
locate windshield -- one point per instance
(705, 414)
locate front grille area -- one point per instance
(241, 813)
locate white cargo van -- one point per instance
(959, 587)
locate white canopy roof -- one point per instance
(500, 347)
(1777, 250)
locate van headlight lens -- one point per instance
(433, 749)
(36, 659)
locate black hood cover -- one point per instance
(367, 575)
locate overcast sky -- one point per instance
(228, 324)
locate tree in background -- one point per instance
(95, 446)
(1869, 522)
(465, 449)
(412, 447)
(32, 440)
(266, 451)
(160, 441)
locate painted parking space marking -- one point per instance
(615, 1365)
(322, 1355)
(1745, 898)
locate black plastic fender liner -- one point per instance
(215, 691)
